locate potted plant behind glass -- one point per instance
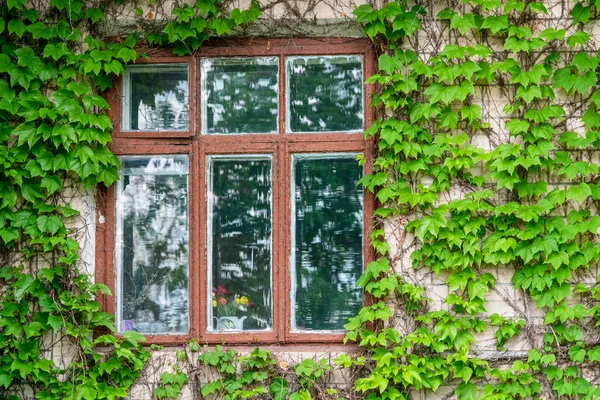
(228, 307)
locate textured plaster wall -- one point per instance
(333, 18)
(280, 18)
(503, 298)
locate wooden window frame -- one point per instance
(198, 147)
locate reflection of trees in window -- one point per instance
(154, 255)
(325, 94)
(241, 234)
(240, 95)
(159, 98)
(328, 242)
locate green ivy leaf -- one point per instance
(578, 37)
(573, 334)
(579, 192)
(583, 83)
(47, 72)
(5, 379)
(23, 284)
(31, 191)
(583, 61)
(438, 92)
(55, 51)
(466, 391)
(363, 13)
(463, 23)
(134, 337)
(430, 225)
(51, 183)
(16, 4)
(27, 58)
(94, 14)
(27, 133)
(221, 26)
(581, 13)
(448, 118)
(577, 354)
(495, 23)
(471, 112)
(594, 354)
(16, 26)
(9, 235)
(278, 389)
(529, 94)
(21, 76)
(39, 30)
(126, 55)
(95, 101)
(374, 28)
(50, 224)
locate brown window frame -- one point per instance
(197, 146)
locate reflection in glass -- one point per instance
(156, 98)
(239, 95)
(239, 243)
(324, 94)
(152, 245)
(327, 253)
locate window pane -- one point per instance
(324, 94)
(156, 98)
(239, 243)
(152, 245)
(239, 95)
(327, 256)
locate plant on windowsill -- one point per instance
(228, 309)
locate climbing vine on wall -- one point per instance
(54, 133)
(513, 198)
(467, 200)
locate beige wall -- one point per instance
(333, 18)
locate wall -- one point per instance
(318, 18)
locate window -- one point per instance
(161, 105)
(242, 222)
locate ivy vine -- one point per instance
(54, 133)
(525, 206)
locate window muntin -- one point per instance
(156, 98)
(327, 252)
(239, 95)
(324, 94)
(152, 245)
(239, 243)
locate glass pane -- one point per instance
(324, 94)
(156, 98)
(152, 245)
(239, 95)
(327, 256)
(239, 243)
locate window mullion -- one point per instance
(198, 238)
(282, 99)
(284, 247)
(278, 238)
(283, 286)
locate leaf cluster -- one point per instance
(521, 212)
(54, 139)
